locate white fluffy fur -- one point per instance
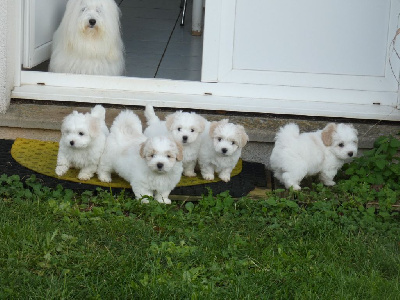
(83, 137)
(221, 148)
(83, 48)
(153, 166)
(185, 128)
(322, 152)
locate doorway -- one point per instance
(156, 46)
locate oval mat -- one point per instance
(41, 157)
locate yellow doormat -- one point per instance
(41, 157)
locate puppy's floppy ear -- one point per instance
(327, 134)
(215, 124)
(169, 120)
(243, 137)
(142, 149)
(179, 156)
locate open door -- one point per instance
(41, 19)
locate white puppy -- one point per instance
(185, 128)
(152, 166)
(322, 152)
(221, 148)
(88, 40)
(83, 137)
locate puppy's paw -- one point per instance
(61, 170)
(296, 187)
(84, 176)
(329, 182)
(189, 174)
(104, 177)
(163, 200)
(208, 176)
(225, 177)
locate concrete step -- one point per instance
(42, 120)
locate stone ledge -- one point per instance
(260, 128)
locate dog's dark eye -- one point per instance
(192, 130)
(341, 145)
(152, 156)
(83, 9)
(179, 129)
(219, 139)
(233, 143)
(81, 133)
(168, 156)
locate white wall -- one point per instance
(9, 32)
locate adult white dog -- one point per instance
(88, 40)
(185, 128)
(152, 166)
(83, 137)
(322, 152)
(221, 148)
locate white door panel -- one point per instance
(41, 19)
(325, 36)
(341, 44)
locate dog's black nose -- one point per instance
(71, 143)
(224, 150)
(350, 154)
(185, 138)
(92, 22)
(160, 166)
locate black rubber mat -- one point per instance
(252, 175)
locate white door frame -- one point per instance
(275, 99)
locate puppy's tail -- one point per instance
(150, 115)
(287, 133)
(127, 124)
(98, 112)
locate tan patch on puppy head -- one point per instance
(327, 134)
(169, 120)
(142, 150)
(243, 137)
(179, 156)
(214, 125)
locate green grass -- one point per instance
(55, 244)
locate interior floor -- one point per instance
(156, 45)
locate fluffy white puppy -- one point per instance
(221, 148)
(185, 128)
(83, 137)
(88, 40)
(322, 152)
(152, 166)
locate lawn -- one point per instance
(321, 243)
(57, 244)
